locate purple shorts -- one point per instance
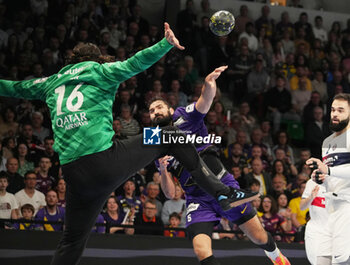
(207, 209)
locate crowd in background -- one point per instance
(271, 109)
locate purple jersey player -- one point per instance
(202, 211)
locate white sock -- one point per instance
(273, 254)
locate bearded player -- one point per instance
(202, 211)
(334, 173)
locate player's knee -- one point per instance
(202, 246)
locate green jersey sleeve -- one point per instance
(29, 89)
(121, 71)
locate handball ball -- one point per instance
(222, 23)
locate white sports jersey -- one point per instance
(8, 202)
(317, 209)
(336, 155)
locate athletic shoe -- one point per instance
(281, 260)
(235, 198)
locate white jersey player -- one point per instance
(314, 198)
(335, 175)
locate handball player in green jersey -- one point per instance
(80, 98)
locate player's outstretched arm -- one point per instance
(209, 90)
(141, 61)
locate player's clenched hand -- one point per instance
(170, 37)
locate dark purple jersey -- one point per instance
(44, 215)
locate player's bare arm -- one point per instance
(167, 184)
(209, 90)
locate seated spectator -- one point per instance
(257, 83)
(117, 128)
(114, 216)
(54, 170)
(237, 173)
(149, 219)
(249, 35)
(256, 138)
(129, 200)
(174, 222)
(8, 202)
(175, 88)
(300, 97)
(305, 154)
(319, 31)
(61, 193)
(38, 129)
(22, 156)
(15, 179)
(320, 86)
(8, 126)
(308, 112)
(248, 121)
(29, 195)
(8, 147)
(282, 203)
(278, 101)
(300, 179)
(254, 185)
(258, 153)
(44, 182)
(175, 205)
(33, 142)
(258, 173)
(279, 186)
(256, 204)
(290, 169)
(27, 213)
(152, 192)
(242, 19)
(157, 179)
(234, 157)
(130, 126)
(295, 80)
(315, 132)
(282, 142)
(51, 212)
(298, 216)
(226, 225)
(265, 127)
(271, 221)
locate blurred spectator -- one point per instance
(235, 157)
(27, 213)
(279, 186)
(152, 223)
(265, 22)
(174, 222)
(282, 203)
(61, 193)
(51, 212)
(49, 152)
(29, 195)
(177, 205)
(242, 19)
(9, 126)
(114, 216)
(284, 26)
(319, 31)
(298, 216)
(44, 181)
(305, 25)
(37, 124)
(205, 11)
(99, 227)
(137, 17)
(263, 177)
(301, 96)
(265, 127)
(320, 86)
(15, 180)
(175, 88)
(152, 191)
(22, 156)
(316, 131)
(249, 35)
(33, 143)
(271, 221)
(248, 121)
(278, 101)
(257, 83)
(130, 126)
(8, 147)
(129, 200)
(8, 202)
(282, 142)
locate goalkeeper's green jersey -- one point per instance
(80, 99)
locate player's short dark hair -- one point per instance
(159, 99)
(28, 206)
(176, 215)
(342, 96)
(88, 52)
